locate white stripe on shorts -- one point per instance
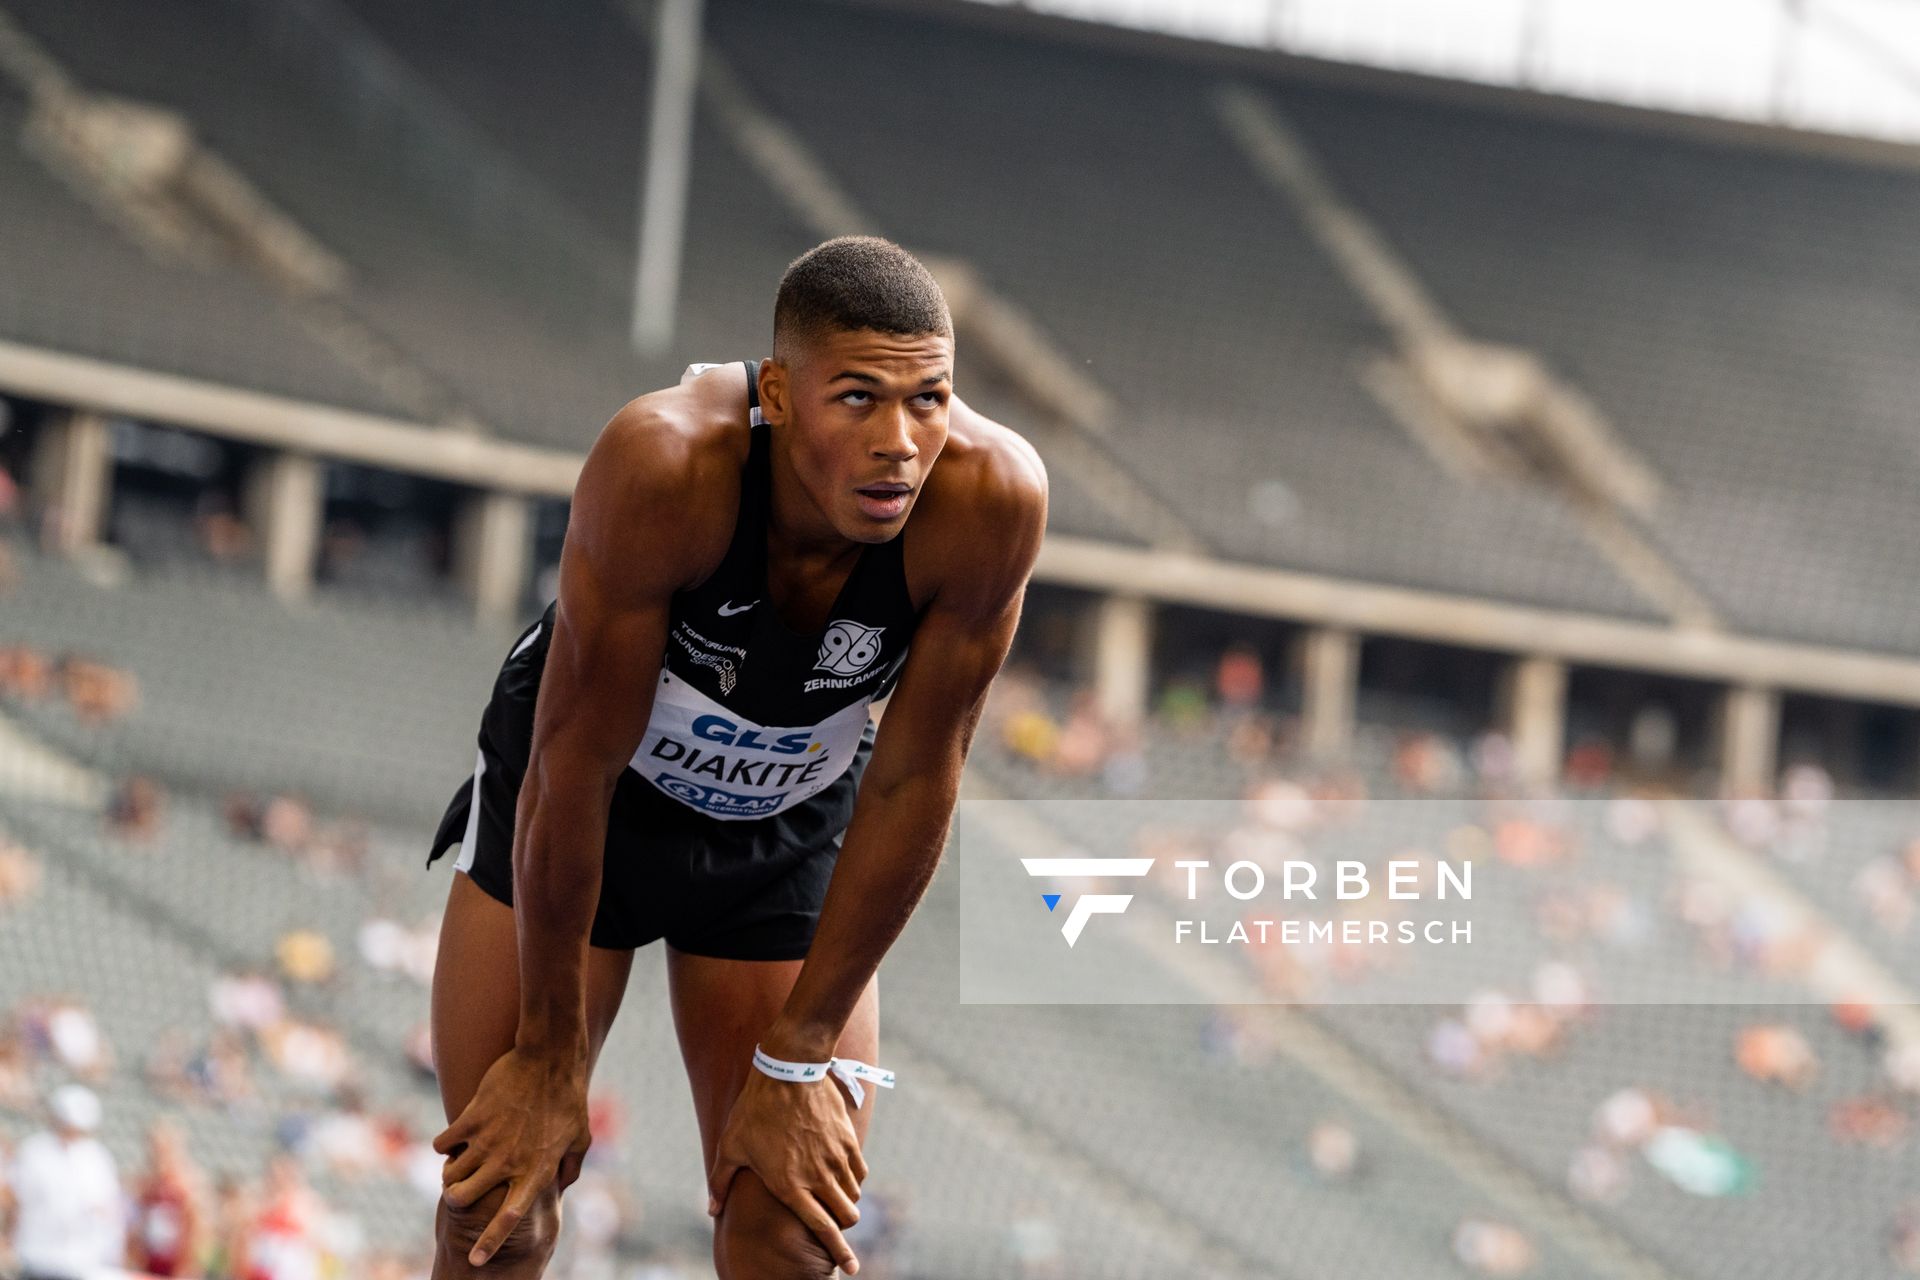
(470, 842)
(531, 637)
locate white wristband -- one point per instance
(850, 1072)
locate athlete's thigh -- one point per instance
(721, 1008)
(476, 991)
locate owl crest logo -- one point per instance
(848, 648)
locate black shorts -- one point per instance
(740, 890)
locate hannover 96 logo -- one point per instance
(848, 648)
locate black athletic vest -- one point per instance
(749, 716)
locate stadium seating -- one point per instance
(76, 283)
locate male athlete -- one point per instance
(750, 555)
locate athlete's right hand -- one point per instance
(526, 1126)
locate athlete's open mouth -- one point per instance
(883, 501)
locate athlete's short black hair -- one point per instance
(857, 282)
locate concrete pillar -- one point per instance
(70, 475)
(1330, 681)
(1749, 738)
(1535, 706)
(492, 552)
(1123, 657)
(285, 499)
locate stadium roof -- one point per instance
(1840, 66)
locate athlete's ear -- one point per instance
(774, 392)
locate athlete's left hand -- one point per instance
(799, 1138)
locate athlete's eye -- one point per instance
(865, 396)
(929, 399)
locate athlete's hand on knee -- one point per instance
(800, 1139)
(526, 1126)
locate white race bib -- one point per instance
(710, 758)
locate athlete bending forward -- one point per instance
(749, 557)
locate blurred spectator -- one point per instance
(68, 1221)
(231, 1221)
(1523, 841)
(1597, 1174)
(1903, 1238)
(1239, 682)
(1493, 1248)
(1081, 749)
(419, 1050)
(222, 1073)
(1034, 1241)
(339, 847)
(1703, 1164)
(1631, 820)
(167, 1237)
(1652, 737)
(16, 1071)
(223, 535)
(1333, 1150)
(595, 1212)
(671, 1264)
(880, 1237)
(1182, 707)
(282, 1239)
(1589, 764)
(245, 1001)
(308, 1055)
(1427, 764)
(347, 1141)
(245, 816)
(287, 824)
(165, 1069)
(7, 1261)
(389, 947)
(1870, 1119)
(1030, 734)
(64, 1030)
(1806, 789)
(305, 956)
(25, 673)
(19, 874)
(1250, 740)
(98, 693)
(1885, 888)
(135, 809)
(1775, 1054)
(1125, 770)
(607, 1125)
(342, 543)
(1494, 761)
(1902, 1067)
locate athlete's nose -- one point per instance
(895, 441)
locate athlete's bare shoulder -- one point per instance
(662, 482)
(977, 528)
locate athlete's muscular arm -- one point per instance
(633, 539)
(988, 533)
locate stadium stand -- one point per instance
(76, 283)
(1745, 317)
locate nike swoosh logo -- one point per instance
(728, 609)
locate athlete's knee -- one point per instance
(523, 1253)
(758, 1238)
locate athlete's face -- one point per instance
(865, 415)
